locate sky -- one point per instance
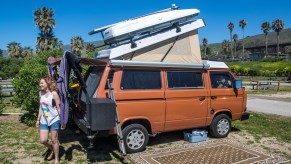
(78, 17)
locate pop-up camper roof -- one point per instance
(169, 35)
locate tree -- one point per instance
(208, 51)
(56, 43)
(225, 47)
(14, 49)
(235, 39)
(278, 26)
(90, 48)
(43, 18)
(26, 84)
(205, 43)
(77, 44)
(27, 53)
(9, 67)
(1, 53)
(266, 28)
(243, 24)
(230, 27)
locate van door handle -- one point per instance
(201, 98)
(213, 97)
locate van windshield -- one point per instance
(92, 79)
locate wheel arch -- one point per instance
(226, 112)
(142, 121)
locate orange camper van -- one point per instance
(156, 97)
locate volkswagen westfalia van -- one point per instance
(154, 97)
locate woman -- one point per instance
(48, 119)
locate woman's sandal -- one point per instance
(50, 155)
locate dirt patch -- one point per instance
(10, 118)
(268, 145)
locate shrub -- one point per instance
(287, 71)
(26, 84)
(235, 69)
(279, 72)
(245, 71)
(253, 72)
(266, 73)
(10, 67)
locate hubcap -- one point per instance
(135, 139)
(223, 126)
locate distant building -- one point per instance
(256, 56)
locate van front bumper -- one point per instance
(245, 116)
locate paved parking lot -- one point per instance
(272, 104)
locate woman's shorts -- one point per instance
(54, 126)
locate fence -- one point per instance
(266, 83)
(257, 78)
(7, 91)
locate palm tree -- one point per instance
(27, 53)
(235, 38)
(230, 27)
(56, 43)
(14, 49)
(225, 47)
(278, 26)
(90, 48)
(43, 19)
(43, 41)
(77, 44)
(205, 43)
(266, 28)
(243, 24)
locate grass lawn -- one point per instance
(265, 125)
(12, 109)
(20, 143)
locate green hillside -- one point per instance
(258, 40)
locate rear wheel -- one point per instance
(135, 138)
(220, 126)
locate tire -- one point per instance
(220, 126)
(135, 138)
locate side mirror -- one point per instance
(238, 84)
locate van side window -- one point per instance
(221, 80)
(93, 78)
(184, 79)
(141, 79)
(109, 78)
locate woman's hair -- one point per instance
(51, 83)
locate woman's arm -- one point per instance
(39, 112)
(57, 100)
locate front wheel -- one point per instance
(135, 138)
(220, 126)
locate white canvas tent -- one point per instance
(181, 49)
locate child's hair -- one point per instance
(51, 83)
